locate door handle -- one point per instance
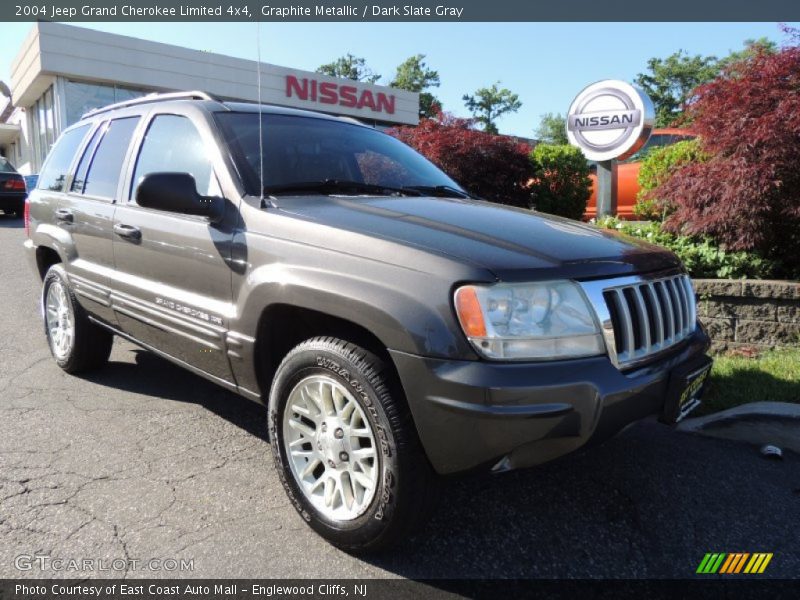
(127, 231)
(64, 215)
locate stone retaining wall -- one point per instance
(756, 313)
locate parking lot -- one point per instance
(145, 461)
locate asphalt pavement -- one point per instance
(144, 461)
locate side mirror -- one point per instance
(177, 192)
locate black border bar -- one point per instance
(409, 11)
(707, 588)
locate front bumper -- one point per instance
(473, 414)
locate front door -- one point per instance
(172, 279)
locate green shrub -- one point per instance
(701, 256)
(656, 167)
(561, 184)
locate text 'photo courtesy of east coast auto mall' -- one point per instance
(432, 300)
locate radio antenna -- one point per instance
(260, 127)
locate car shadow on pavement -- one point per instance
(154, 376)
(647, 503)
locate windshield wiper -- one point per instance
(444, 191)
(331, 186)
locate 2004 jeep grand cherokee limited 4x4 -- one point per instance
(395, 327)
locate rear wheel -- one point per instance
(345, 446)
(76, 343)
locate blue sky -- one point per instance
(547, 64)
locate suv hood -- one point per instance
(514, 244)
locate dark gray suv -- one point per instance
(396, 328)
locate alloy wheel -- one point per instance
(330, 447)
(59, 320)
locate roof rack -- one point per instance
(154, 97)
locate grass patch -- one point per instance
(738, 379)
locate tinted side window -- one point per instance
(54, 171)
(104, 170)
(173, 144)
(79, 179)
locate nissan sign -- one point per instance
(348, 95)
(610, 119)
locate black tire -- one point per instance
(407, 486)
(91, 345)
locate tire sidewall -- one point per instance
(56, 274)
(319, 358)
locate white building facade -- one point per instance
(62, 71)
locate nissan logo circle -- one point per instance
(610, 119)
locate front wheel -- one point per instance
(345, 446)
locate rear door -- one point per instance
(46, 198)
(87, 211)
(173, 281)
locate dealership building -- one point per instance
(62, 71)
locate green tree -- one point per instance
(751, 49)
(415, 76)
(488, 104)
(552, 129)
(350, 67)
(670, 82)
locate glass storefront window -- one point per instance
(36, 153)
(123, 94)
(78, 98)
(82, 97)
(43, 127)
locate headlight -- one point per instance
(539, 321)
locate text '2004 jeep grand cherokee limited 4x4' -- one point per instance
(395, 327)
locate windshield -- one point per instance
(5, 166)
(308, 155)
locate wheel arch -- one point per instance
(46, 257)
(52, 245)
(283, 326)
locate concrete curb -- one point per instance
(759, 423)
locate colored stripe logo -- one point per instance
(733, 563)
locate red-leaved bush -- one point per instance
(493, 167)
(747, 195)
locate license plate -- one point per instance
(685, 390)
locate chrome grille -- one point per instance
(643, 316)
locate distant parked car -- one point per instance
(12, 189)
(628, 173)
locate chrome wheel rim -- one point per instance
(330, 448)
(59, 320)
